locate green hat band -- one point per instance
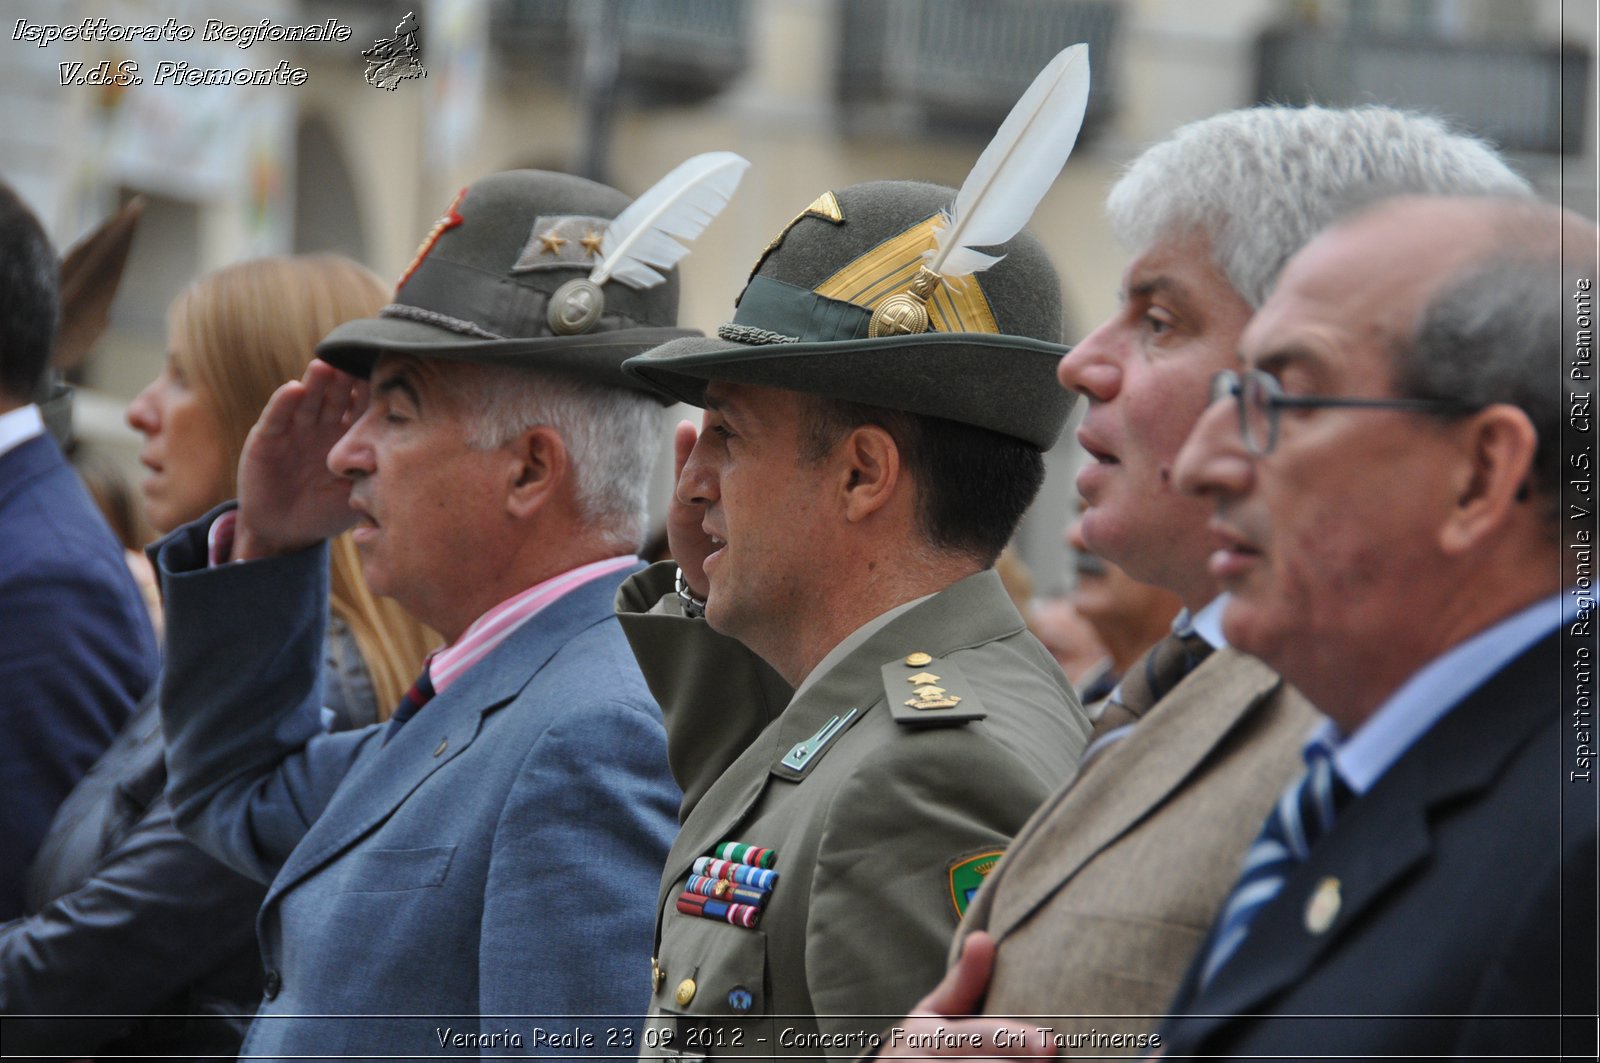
(465, 299)
(773, 311)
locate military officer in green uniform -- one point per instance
(858, 717)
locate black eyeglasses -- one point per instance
(1260, 398)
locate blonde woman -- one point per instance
(128, 917)
(233, 337)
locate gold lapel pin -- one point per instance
(1323, 907)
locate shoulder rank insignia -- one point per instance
(927, 691)
(967, 874)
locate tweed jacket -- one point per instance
(1110, 888)
(422, 888)
(1449, 912)
(878, 829)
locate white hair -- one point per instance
(1261, 182)
(612, 438)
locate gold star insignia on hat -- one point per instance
(552, 241)
(591, 243)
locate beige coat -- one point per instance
(1108, 891)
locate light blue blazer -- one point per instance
(484, 879)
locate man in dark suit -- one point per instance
(477, 873)
(1387, 469)
(76, 648)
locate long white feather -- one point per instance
(1017, 168)
(649, 238)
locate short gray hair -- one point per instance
(1261, 182)
(1494, 334)
(612, 438)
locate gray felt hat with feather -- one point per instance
(490, 285)
(805, 321)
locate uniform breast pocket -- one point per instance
(709, 977)
(396, 870)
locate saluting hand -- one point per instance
(689, 544)
(288, 498)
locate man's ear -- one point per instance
(871, 464)
(539, 468)
(1497, 447)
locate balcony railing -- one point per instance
(671, 50)
(1524, 96)
(965, 62)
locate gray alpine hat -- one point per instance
(487, 286)
(816, 316)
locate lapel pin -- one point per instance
(1323, 907)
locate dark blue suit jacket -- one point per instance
(1466, 914)
(76, 648)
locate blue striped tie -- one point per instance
(1302, 815)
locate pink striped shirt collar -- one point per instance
(495, 626)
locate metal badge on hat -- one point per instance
(1002, 191)
(635, 248)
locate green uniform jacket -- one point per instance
(883, 831)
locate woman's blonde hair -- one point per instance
(243, 331)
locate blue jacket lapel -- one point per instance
(386, 774)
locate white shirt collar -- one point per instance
(1207, 622)
(18, 426)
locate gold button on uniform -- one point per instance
(656, 974)
(685, 992)
(918, 660)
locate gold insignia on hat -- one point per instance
(575, 307)
(557, 241)
(906, 313)
(922, 678)
(1323, 907)
(591, 242)
(825, 206)
(918, 660)
(892, 269)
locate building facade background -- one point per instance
(817, 94)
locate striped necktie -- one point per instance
(1303, 814)
(1151, 678)
(420, 694)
